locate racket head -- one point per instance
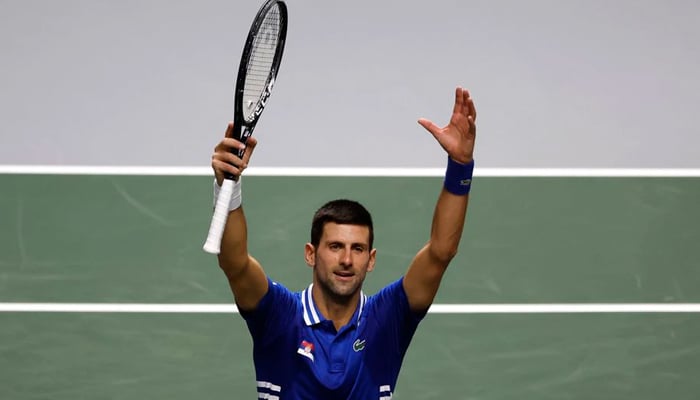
(257, 71)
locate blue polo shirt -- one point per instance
(299, 355)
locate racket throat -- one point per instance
(246, 133)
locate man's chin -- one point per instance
(345, 290)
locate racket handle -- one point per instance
(218, 220)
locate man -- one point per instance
(331, 341)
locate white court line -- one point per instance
(435, 309)
(337, 171)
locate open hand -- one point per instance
(457, 138)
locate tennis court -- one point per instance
(106, 241)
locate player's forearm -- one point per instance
(448, 224)
(234, 244)
(425, 273)
(451, 211)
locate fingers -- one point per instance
(226, 163)
(463, 109)
(459, 101)
(230, 144)
(222, 169)
(430, 126)
(250, 147)
(225, 159)
(228, 157)
(463, 103)
(471, 108)
(472, 125)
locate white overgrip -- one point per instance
(218, 220)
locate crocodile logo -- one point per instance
(359, 345)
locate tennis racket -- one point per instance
(257, 72)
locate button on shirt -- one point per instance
(298, 354)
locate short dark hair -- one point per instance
(341, 211)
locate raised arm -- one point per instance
(245, 275)
(423, 277)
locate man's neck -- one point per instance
(338, 310)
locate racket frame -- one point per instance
(242, 128)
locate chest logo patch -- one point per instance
(306, 349)
(359, 345)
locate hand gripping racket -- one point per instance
(257, 71)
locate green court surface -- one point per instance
(137, 239)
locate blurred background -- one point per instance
(556, 83)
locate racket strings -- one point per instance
(261, 61)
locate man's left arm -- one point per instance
(424, 275)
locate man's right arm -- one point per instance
(244, 273)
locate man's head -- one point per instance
(342, 212)
(340, 251)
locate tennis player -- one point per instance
(331, 341)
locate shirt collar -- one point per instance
(313, 317)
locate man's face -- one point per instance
(342, 259)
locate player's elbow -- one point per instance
(233, 265)
(443, 253)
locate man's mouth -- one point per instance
(344, 275)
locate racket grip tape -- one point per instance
(218, 220)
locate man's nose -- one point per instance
(346, 258)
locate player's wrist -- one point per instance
(236, 197)
(458, 177)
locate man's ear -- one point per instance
(310, 254)
(372, 259)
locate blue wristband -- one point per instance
(458, 177)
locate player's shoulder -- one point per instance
(279, 289)
(279, 296)
(391, 304)
(391, 293)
